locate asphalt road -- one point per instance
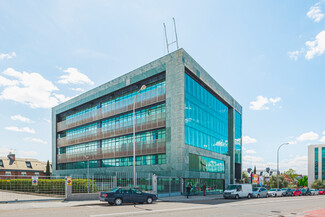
(286, 206)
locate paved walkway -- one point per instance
(183, 198)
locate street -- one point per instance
(286, 206)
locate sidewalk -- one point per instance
(182, 198)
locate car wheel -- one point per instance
(149, 200)
(237, 196)
(249, 196)
(118, 201)
(258, 196)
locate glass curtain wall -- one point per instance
(206, 164)
(237, 137)
(206, 119)
(316, 163)
(212, 185)
(323, 163)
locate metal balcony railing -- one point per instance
(107, 111)
(147, 123)
(125, 150)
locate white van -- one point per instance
(238, 191)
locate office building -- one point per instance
(187, 125)
(316, 163)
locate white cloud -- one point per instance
(298, 163)
(308, 136)
(315, 13)
(322, 139)
(250, 151)
(7, 55)
(26, 154)
(6, 82)
(78, 89)
(30, 139)
(316, 47)
(61, 97)
(294, 54)
(323, 133)
(47, 120)
(74, 76)
(248, 140)
(5, 151)
(21, 118)
(262, 103)
(23, 129)
(31, 89)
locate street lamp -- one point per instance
(135, 99)
(277, 164)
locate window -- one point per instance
(8, 173)
(23, 173)
(316, 163)
(206, 119)
(206, 164)
(36, 173)
(28, 164)
(1, 163)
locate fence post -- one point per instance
(154, 184)
(68, 189)
(182, 185)
(170, 186)
(114, 182)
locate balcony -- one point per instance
(113, 109)
(147, 123)
(126, 150)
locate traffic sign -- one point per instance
(69, 180)
(35, 180)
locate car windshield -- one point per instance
(232, 187)
(283, 189)
(256, 189)
(114, 190)
(272, 189)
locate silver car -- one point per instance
(260, 192)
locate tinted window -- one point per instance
(126, 191)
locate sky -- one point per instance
(269, 55)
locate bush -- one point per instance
(45, 186)
(318, 184)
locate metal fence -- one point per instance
(21, 188)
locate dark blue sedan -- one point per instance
(118, 196)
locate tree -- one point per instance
(318, 184)
(254, 169)
(48, 170)
(245, 177)
(303, 182)
(282, 182)
(291, 174)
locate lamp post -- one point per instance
(135, 99)
(277, 164)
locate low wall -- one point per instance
(82, 196)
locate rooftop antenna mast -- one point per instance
(176, 39)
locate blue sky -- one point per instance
(269, 55)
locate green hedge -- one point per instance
(46, 186)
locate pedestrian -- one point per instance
(188, 190)
(204, 188)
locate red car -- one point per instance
(321, 191)
(297, 192)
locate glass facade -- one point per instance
(206, 164)
(126, 121)
(323, 163)
(206, 119)
(316, 163)
(237, 137)
(212, 185)
(84, 148)
(152, 90)
(116, 162)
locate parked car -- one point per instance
(321, 191)
(305, 192)
(287, 192)
(297, 192)
(260, 192)
(314, 192)
(238, 191)
(118, 196)
(275, 192)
